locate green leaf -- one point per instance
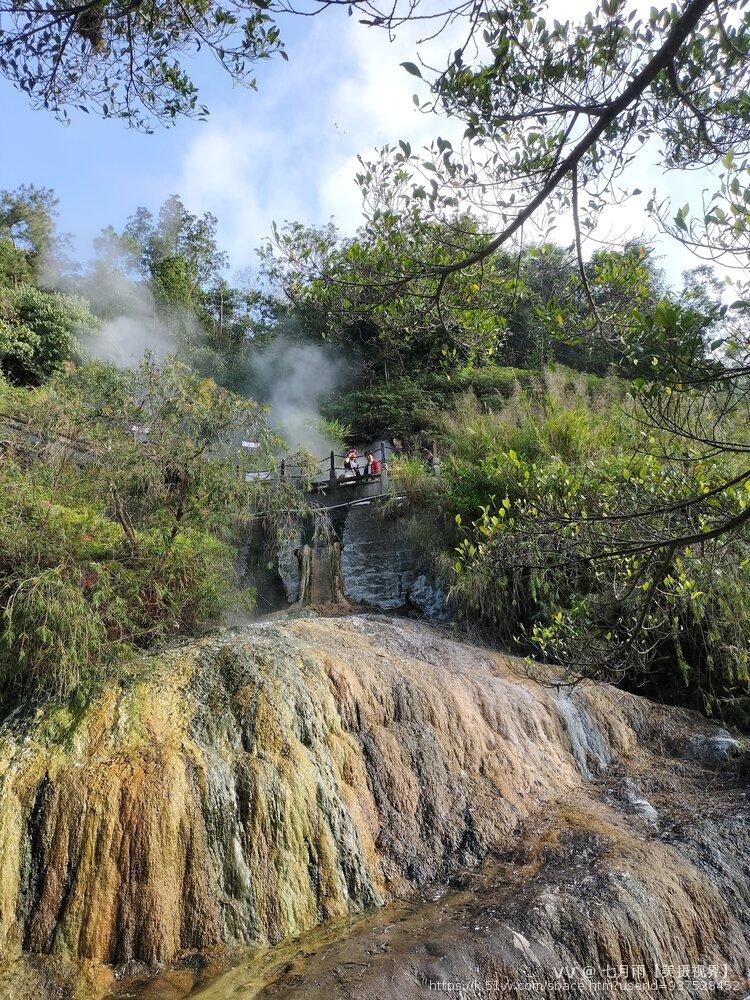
(412, 68)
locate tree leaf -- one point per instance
(412, 68)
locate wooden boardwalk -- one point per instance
(332, 485)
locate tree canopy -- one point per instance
(527, 309)
(177, 256)
(133, 60)
(125, 58)
(27, 230)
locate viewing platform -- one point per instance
(330, 483)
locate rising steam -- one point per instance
(292, 376)
(294, 379)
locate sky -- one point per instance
(286, 152)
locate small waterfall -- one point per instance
(590, 747)
(320, 578)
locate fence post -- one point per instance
(435, 459)
(332, 473)
(383, 469)
(282, 470)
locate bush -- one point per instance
(384, 410)
(77, 598)
(523, 498)
(39, 331)
(414, 408)
(117, 545)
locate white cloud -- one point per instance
(342, 94)
(339, 195)
(235, 171)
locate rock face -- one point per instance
(269, 779)
(373, 563)
(378, 565)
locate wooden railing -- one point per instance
(331, 472)
(328, 476)
(339, 486)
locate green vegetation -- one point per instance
(40, 331)
(113, 541)
(524, 506)
(164, 274)
(177, 258)
(580, 511)
(574, 515)
(129, 61)
(595, 515)
(27, 231)
(124, 503)
(527, 310)
(610, 539)
(412, 409)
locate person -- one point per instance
(368, 463)
(350, 463)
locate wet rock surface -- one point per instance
(378, 564)
(587, 901)
(713, 748)
(439, 816)
(429, 596)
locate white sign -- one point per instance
(252, 445)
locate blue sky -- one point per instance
(287, 151)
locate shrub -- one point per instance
(399, 408)
(117, 545)
(39, 331)
(77, 599)
(412, 408)
(523, 496)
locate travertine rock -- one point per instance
(268, 779)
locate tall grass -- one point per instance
(568, 443)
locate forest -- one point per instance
(567, 473)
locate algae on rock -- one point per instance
(270, 778)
